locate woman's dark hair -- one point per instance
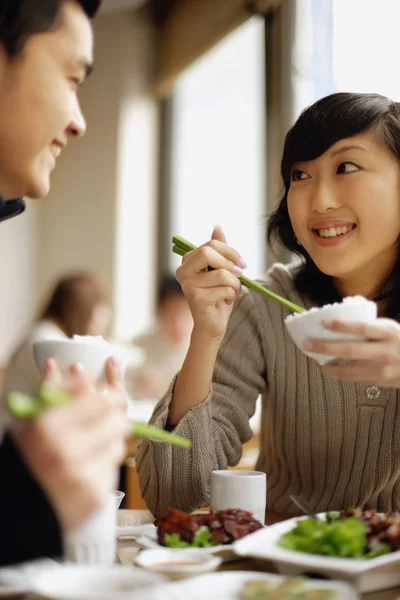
(72, 302)
(319, 126)
(21, 19)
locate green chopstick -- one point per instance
(181, 246)
(26, 407)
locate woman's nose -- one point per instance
(324, 198)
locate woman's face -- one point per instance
(344, 207)
(100, 320)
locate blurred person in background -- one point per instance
(78, 305)
(58, 469)
(165, 346)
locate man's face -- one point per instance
(39, 108)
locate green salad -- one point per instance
(334, 536)
(201, 539)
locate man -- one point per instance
(56, 470)
(165, 346)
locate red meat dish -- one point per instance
(226, 526)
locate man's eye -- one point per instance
(77, 81)
(298, 175)
(347, 167)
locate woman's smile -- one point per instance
(332, 235)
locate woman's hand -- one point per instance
(209, 277)
(376, 361)
(74, 450)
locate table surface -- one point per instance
(127, 551)
(128, 548)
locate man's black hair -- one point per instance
(21, 19)
(168, 286)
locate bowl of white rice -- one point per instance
(90, 351)
(305, 325)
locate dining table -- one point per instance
(128, 548)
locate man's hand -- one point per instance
(74, 450)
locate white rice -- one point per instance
(97, 340)
(349, 300)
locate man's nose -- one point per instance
(77, 126)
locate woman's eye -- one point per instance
(347, 167)
(298, 175)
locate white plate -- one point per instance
(84, 582)
(227, 586)
(367, 575)
(127, 523)
(149, 540)
(16, 580)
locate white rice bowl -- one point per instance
(302, 326)
(91, 351)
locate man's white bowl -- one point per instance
(91, 352)
(302, 326)
(178, 563)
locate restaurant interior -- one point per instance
(187, 109)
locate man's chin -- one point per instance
(38, 190)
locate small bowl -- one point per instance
(302, 326)
(178, 563)
(119, 496)
(91, 351)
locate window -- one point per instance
(218, 153)
(366, 46)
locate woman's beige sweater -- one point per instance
(335, 443)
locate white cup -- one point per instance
(95, 540)
(246, 490)
(119, 496)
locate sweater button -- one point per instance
(372, 392)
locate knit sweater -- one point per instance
(335, 443)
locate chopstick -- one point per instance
(26, 407)
(181, 246)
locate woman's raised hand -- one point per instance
(209, 277)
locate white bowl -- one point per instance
(302, 326)
(89, 351)
(178, 563)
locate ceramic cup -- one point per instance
(246, 490)
(95, 541)
(119, 496)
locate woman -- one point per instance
(78, 305)
(330, 434)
